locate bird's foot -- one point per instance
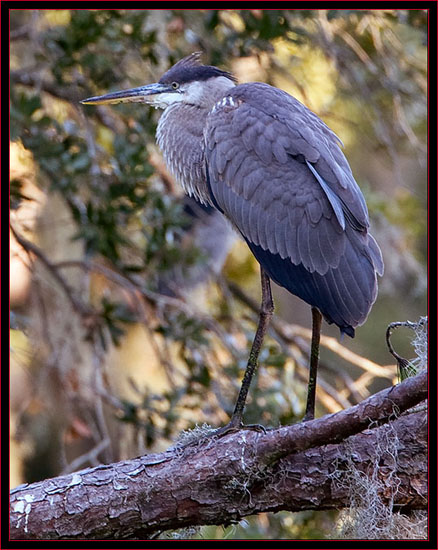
(205, 432)
(235, 425)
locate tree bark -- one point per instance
(221, 480)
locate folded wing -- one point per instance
(278, 173)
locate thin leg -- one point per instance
(266, 310)
(314, 358)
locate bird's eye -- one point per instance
(175, 85)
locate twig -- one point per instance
(290, 335)
(402, 363)
(86, 457)
(128, 282)
(80, 307)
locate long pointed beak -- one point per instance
(142, 94)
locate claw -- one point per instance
(237, 425)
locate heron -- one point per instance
(277, 172)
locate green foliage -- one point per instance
(163, 224)
(94, 37)
(114, 316)
(182, 328)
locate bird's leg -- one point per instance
(314, 358)
(266, 310)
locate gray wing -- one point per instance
(278, 173)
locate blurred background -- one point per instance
(133, 308)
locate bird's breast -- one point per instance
(180, 138)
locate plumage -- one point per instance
(322, 224)
(189, 69)
(278, 173)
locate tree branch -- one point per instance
(219, 481)
(80, 307)
(72, 93)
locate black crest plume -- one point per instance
(190, 69)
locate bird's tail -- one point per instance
(344, 294)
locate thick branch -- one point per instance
(218, 481)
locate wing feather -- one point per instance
(254, 218)
(277, 172)
(263, 149)
(304, 251)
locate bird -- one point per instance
(277, 172)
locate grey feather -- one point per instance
(376, 254)
(278, 173)
(315, 211)
(333, 199)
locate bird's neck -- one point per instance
(180, 136)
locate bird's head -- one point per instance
(188, 81)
